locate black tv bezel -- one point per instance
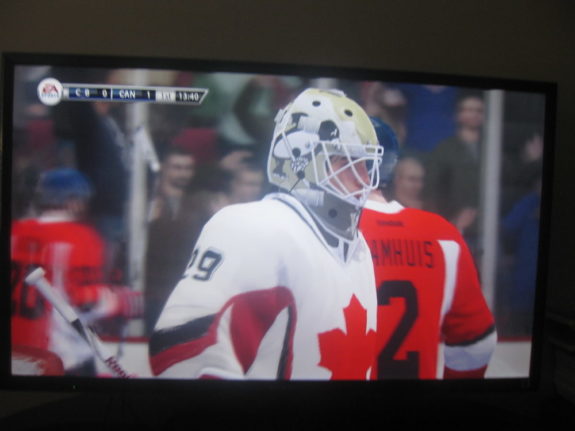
(293, 388)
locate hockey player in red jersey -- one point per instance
(72, 254)
(427, 290)
(283, 288)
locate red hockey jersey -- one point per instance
(72, 255)
(428, 292)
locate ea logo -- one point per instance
(50, 91)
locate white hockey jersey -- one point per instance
(265, 297)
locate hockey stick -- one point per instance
(37, 279)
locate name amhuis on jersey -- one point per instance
(403, 252)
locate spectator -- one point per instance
(428, 115)
(520, 229)
(177, 172)
(522, 168)
(173, 226)
(247, 183)
(387, 104)
(408, 182)
(452, 185)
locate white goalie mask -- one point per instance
(325, 153)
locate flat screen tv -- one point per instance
(112, 167)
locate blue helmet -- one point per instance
(388, 140)
(58, 186)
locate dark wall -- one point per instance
(525, 39)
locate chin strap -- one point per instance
(309, 197)
(341, 248)
(309, 200)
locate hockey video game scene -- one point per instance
(224, 224)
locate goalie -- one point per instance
(283, 288)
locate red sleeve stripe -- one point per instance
(252, 314)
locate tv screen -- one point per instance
(173, 220)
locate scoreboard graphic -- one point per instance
(51, 92)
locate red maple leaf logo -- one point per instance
(349, 355)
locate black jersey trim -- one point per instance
(165, 339)
(285, 353)
(477, 339)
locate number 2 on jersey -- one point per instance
(388, 366)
